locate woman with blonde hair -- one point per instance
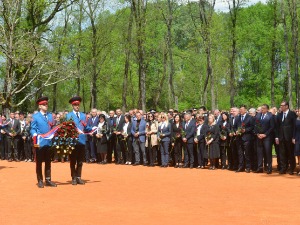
(164, 134)
(212, 141)
(151, 138)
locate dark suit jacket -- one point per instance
(16, 127)
(203, 130)
(248, 124)
(167, 131)
(120, 125)
(265, 126)
(284, 130)
(190, 131)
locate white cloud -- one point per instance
(222, 5)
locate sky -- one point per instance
(222, 5)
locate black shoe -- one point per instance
(282, 172)
(49, 183)
(240, 170)
(74, 181)
(176, 166)
(135, 164)
(269, 172)
(213, 168)
(185, 166)
(40, 184)
(223, 167)
(247, 170)
(79, 181)
(145, 164)
(259, 171)
(210, 168)
(291, 172)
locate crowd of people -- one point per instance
(241, 140)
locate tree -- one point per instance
(139, 8)
(26, 59)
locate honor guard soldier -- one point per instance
(42, 123)
(78, 154)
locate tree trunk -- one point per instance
(273, 54)
(162, 81)
(139, 10)
(127, 62)
(170, 52)
(78, 65)
(295, 35)
(286, 41)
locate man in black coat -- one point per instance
(244, 132)
(263, 129)
(119, 123)
(92, 122)
(12, 130)
(189, 127)
(285, 122)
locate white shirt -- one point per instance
(162, 125)
(125, 127)
(284, 114)
(100, 125)
(76, 113)
(224, 124)
(198, 129)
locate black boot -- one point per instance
(79, 181)
(40, 184)
(49, 183)
(74, 181)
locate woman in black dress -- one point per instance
(212, 141)
(126, 144)
(224, 137)
(101, 135)
(177, 140)
(296, 139)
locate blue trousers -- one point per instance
(164, 150)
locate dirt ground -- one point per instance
(119, 194)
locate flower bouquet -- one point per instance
(65, 138)
(258, 127)
(241, 129)
(223, 133)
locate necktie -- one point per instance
(12, 122)
(186, 125)
(262, 116)
(77, 115)
(242, 118)
(93, 119)
(233, 121)
(45, 115)
(118, 120)
(284, 116)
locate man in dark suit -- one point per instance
(93, 122)
(244, 132)
(111, 146)
(189, 127)
(138, 131)
(119, 121)
(218, 117)
(263, 129)
(233, 161)
(12, 130)
(200, 141)
(285, 122)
